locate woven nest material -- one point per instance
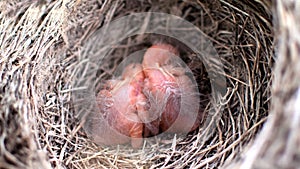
(41, 44)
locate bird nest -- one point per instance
(45, 46)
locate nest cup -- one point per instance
(215, 114)
(235, 87)
(98, 54)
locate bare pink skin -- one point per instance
(169, 85)
(122, 114)
(147, 99)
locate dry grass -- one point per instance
(40, 56)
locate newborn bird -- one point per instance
(171, 93)
(119, 104)
(149, 98)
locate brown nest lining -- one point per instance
(40, 52)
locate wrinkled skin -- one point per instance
(150, 98)
(167, 86)
(118, 104)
